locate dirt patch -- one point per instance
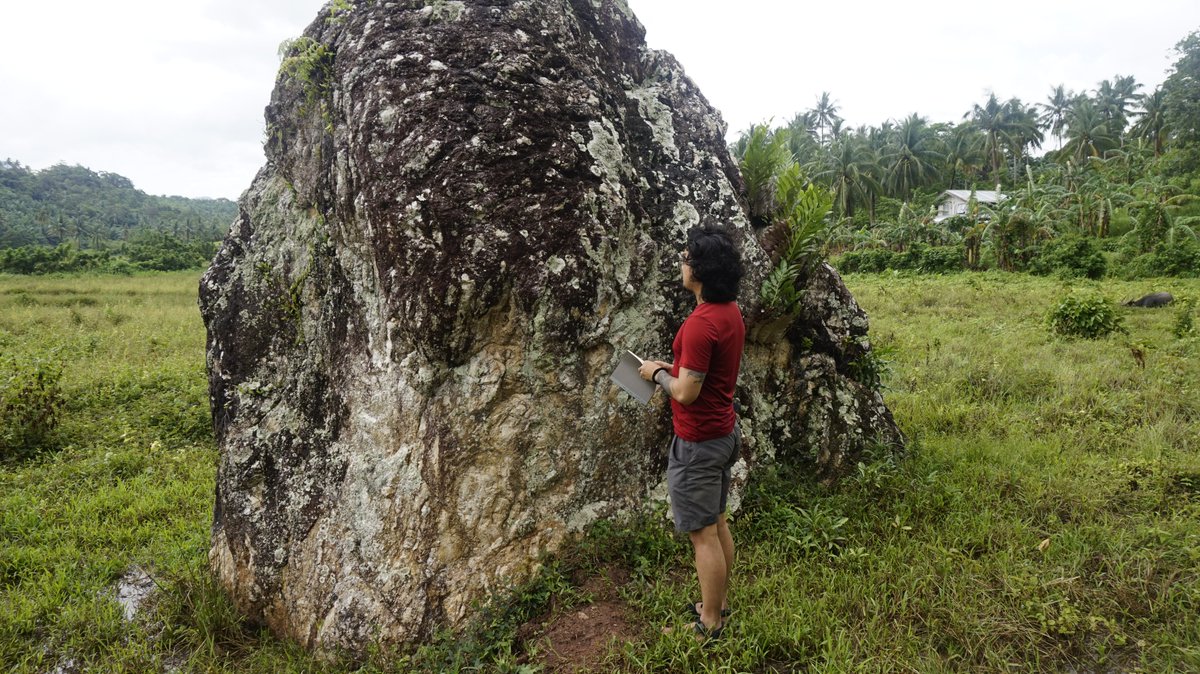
(605, 585)
(578, 639)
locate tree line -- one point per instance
(1121, 164)
(92, 210)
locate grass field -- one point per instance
(1047, 517)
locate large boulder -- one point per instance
(469, 210)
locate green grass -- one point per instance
(1047, 517)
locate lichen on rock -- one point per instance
(412, 321)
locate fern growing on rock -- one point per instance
(801, 229)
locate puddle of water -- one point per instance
(132, 590)
(67, 667)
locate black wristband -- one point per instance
(654, 377)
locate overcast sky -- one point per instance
(171, 94)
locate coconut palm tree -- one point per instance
(1151, 125)
(738, 147)
(802, 138)
(836, 130)
(1126, 87)
(991, 119)
(1054, 112)
(1023, 131)
(825, 116)
(1089, 134)
(961, 149)
(849, 170)
(1113, 100)
(911, 159)
(878, 139)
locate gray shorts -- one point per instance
(698, 478)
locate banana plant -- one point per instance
(1156, 217)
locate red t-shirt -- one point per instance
(709, 341)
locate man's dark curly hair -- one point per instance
(715, 263)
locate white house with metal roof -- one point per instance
(954, 202)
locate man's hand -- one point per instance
(648, 367)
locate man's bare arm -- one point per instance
(683, 389)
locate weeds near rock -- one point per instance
(874, 365)
(30, 399)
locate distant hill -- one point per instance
(74, 204)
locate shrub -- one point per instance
(162, 252)
(311, 64)
(958, 224)
(918, 257)
(873, 365)
(869, 260)
(1012, 241)
(1181, 259)
(64, 257)
(941, 259)
(910, 258)
(818, 530)
(29, 402)
(1086, 315)
(1072, 256)
(881, 259)
(848, 262)
(157, 251)
(37, 259)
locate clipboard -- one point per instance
(627, 377)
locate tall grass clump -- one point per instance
(1185, 325)
(30, 401)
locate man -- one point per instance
(707, 354)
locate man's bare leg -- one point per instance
(727, 550)
(712, 572)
